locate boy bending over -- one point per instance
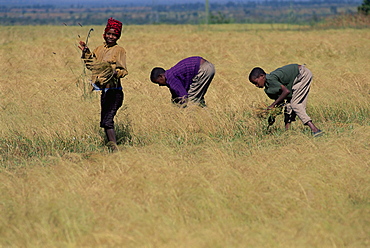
(290, 83)
(188, 80)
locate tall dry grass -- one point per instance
(212, 177)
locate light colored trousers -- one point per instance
(201, 83)
(297, 105)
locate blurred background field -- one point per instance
(212, 177)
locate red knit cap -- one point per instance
(115, 25)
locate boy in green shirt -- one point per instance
(290, 83)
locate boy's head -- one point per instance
(157, 76)
(257, 77)
(112, 31)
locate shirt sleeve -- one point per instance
(177, 88)
(274, 87)
(121, 67)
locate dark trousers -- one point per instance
(110, 101)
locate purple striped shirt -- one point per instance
(179, 77)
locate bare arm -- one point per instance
(86, 55)
(285, 92)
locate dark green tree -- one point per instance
(364, 8)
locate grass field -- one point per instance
(212, 177)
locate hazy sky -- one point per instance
(108, 2)
(100, 1)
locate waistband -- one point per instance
(106, 89)
(95, 87)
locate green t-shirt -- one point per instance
(282, 76)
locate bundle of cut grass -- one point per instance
(262, 111)
(102, 72)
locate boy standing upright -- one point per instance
(108, 64)
(290, 83)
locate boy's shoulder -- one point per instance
(115, 48)
(290, 70)
(290, 67)
(118, 48)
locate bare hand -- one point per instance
(83, 46)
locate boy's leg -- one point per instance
(111, 136)
(314, 129)
(201, 83)
(111, 101)
(300, 93)
(299, 98)
(289, 115)
(287, 125)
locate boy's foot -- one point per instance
(318, 133)
(112, 146)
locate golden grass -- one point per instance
(192, 177)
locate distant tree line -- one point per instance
(364, 8)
